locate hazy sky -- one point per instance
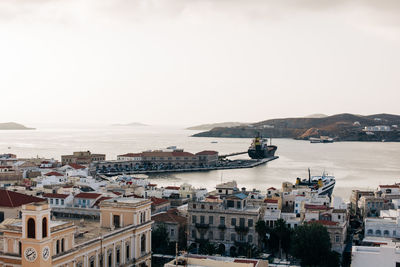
(196, 61)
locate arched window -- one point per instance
(370, 232)
(143, 243)
(31, 228)
(62, 245)
(386, 233)
(58, 246)
(378, 232)
(44, 227)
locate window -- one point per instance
(370, 231)
(233, 222)
(211, 235)
(118, 256)
(31, 228)
(91, 260)
(233, 237)
(110, 263)
(339, 217)
(211, 220)
(337, 238)
(143, 243)
(116, 221)
(386, 233)
(222, 220)
(62, 201)
(202, 219)
(202, 207)
(211, 207)
(44, 227)
(127, 251)
(194, 206)
(250, 238)
(194, 219)
(56, 201)
(51, 201)
(194, 234)
(221, 235)
(250, 222)
(241, 222)
(378, 232)
(230, 203)
(58, 246)
(172, 232)
(62, 245)
(238, 204)
(394, 233)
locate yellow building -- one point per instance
(121, 238)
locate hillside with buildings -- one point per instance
(209, 126)
(13, 126)
(342, 127)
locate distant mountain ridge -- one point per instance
(345, 127)
(209, 126)
(13, 126)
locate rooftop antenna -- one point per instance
(309, 176)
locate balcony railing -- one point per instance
(241, 229)
(222, 226)
(202, 225)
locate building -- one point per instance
(82, 157)
(214, 261)
(121, 237)
(207, 158)
(11, 203)
(59, 200)
(159, 205)
(174, 223)
(377, 128)
(228, 222)
(383, 253)
(9, 173)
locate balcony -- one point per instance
(202, 225)
(241, 229)
(222, 226)
(201, 240)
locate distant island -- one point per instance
(341, 127)
(206, 127)
(13, 126)
(132, 124)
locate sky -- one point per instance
(186, 62)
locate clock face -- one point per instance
(30, 254)
(46, 253)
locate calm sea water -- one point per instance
(354, 164)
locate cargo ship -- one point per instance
(259, 148)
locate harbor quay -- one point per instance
(59, 214)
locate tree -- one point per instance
(311, 244)
(160, 240)
(261, 229)
(280, 237)
(208, 248)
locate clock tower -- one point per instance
(36, 236)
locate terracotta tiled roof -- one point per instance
(158, 201)
(390, 186)
(270, 200)
(152, 185)
(54, 174)
(207, 152)
(100, 200)
(169, 217)
(88, 195)
(315, 207)
(12, 199)
(271, 188)
(76, 166)
(117, 193)
(52, 195)
(172, 187)
(131, 155)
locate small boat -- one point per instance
(214, 142)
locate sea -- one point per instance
(356, 165)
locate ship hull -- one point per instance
(262, 153)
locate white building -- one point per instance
(377, 128)
(372, 256)
(387, 225)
